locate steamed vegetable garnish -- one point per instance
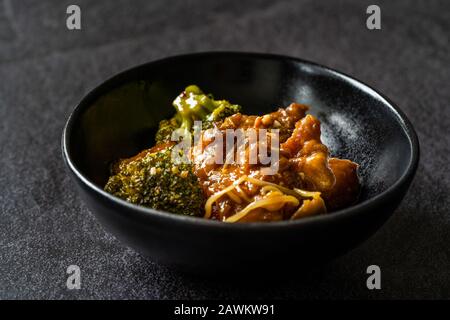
(193, 105)
(224, 109)
(156, 182)
(165, 129)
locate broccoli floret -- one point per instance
(223, 110)
(166, 127)
(157, 182)
(193, 105)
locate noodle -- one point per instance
(262, 204)
(217, 195)
(309, 207)
(233, 196)
(242, 194)
(283, 189)
(267, 189)
(274, 198)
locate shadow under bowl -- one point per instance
(119, 118)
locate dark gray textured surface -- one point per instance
(46, 69)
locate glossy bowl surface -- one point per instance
(119, 118)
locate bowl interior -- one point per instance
(120, 117)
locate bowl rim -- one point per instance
(147, 213)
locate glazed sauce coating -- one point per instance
(304, 163)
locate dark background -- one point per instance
(46, 69)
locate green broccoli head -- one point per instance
(224, 109)
(157, 182)
(193, 105)
(166, 127)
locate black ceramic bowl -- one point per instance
(118, 119)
